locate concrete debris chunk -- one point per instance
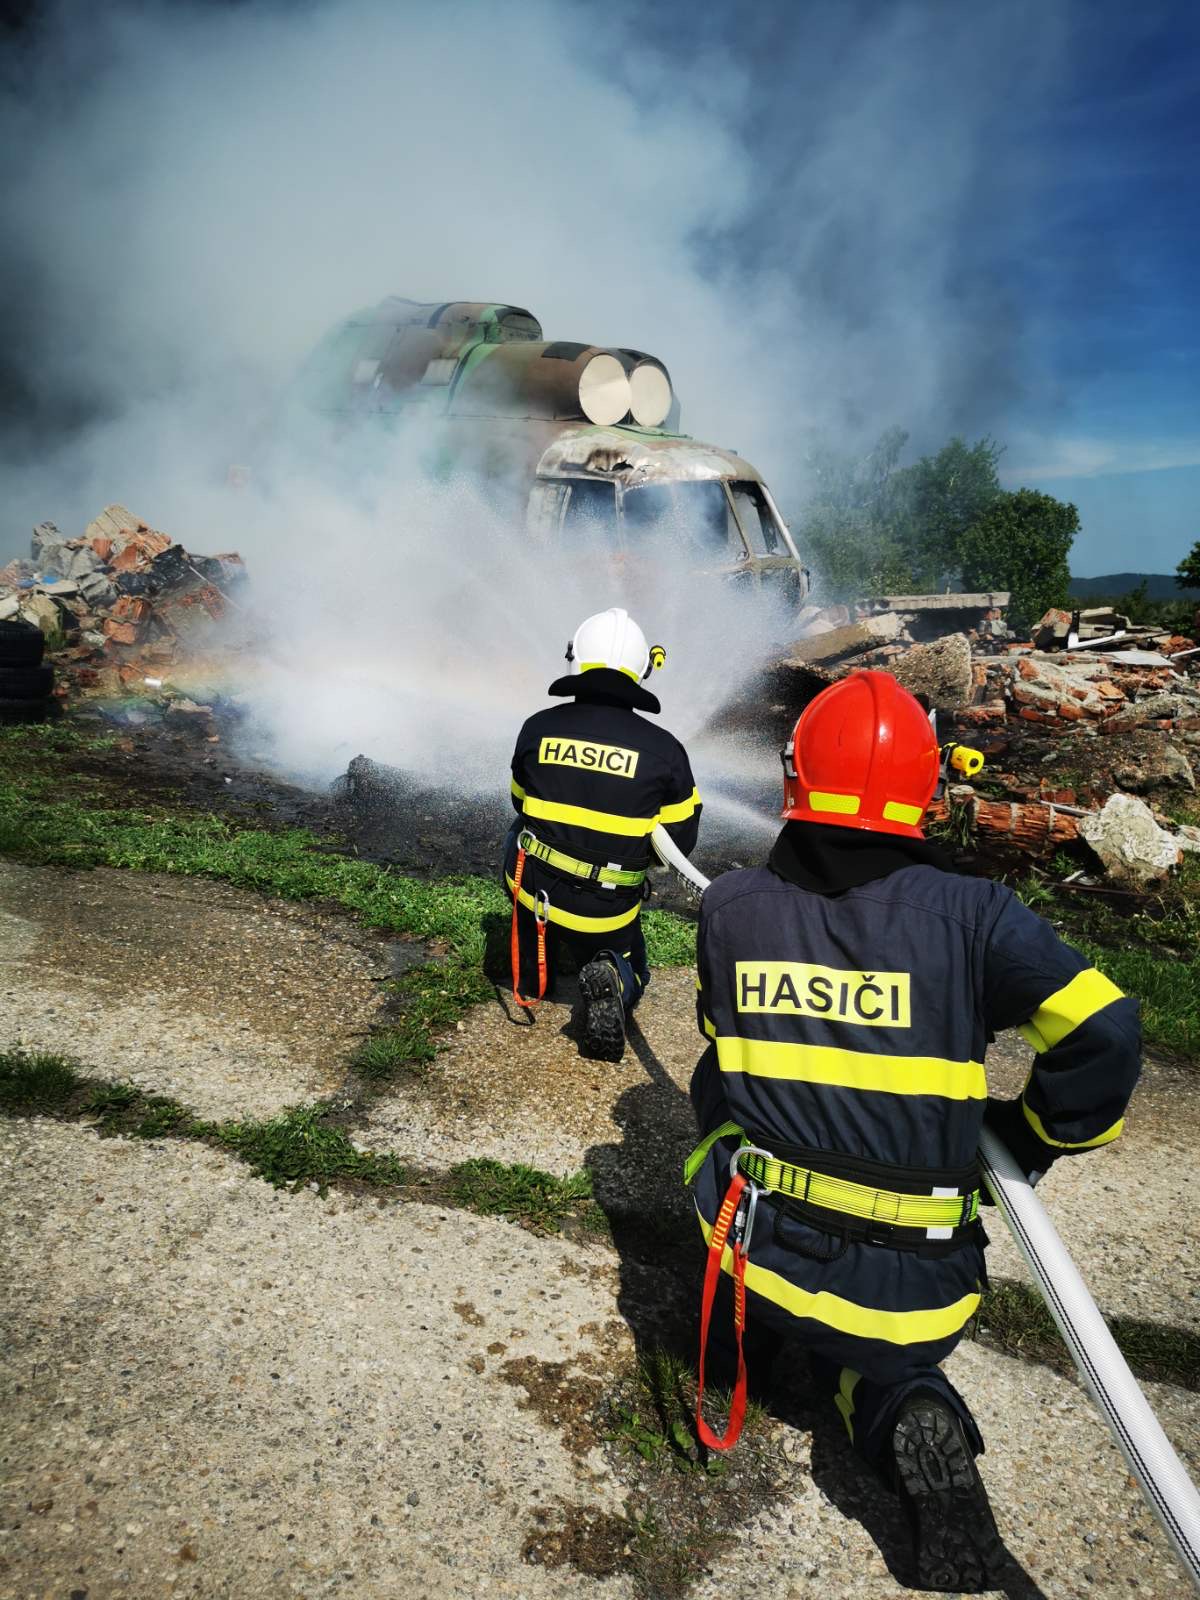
(48, 548)
(852, 639)
(1163, 766)
(41, 609)
(1131, 846)
(941, 671)
(114, 524)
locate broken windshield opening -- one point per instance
(693, 516)
(755, 516)
(591, 512)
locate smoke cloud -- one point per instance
(804, 213)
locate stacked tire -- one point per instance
(26, 681)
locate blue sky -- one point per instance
(1116, 293)
(1066, 237)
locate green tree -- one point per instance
(849, 525)
(1187, 573)
(936, 501)
(1021, 543)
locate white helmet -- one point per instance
(613, 639)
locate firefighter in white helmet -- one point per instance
(590, 781)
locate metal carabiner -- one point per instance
(743, 1221)
(541, 908)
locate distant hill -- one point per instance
(1159, 586)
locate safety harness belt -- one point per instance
(611, 877)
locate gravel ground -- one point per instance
(216, 1389)
(213, 1389)
(235, 1004)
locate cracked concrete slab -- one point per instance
(234, 1003)
(215, 1388)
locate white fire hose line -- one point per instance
(1169, 1491)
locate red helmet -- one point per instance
(862, 755)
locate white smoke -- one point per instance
(195, 193)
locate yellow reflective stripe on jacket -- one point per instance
(853, 1069)
(517, 790)
(569, 919)
(1089, 991)
(1107, 1137)
(681, 810)
(893, 1327)
(584, 817)
(710, 1027)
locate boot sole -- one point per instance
(602, 1035)
(958, 1548)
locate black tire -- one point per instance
(22, 644)
(26, 683)
(24, 710)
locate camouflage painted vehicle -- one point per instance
(585, 439)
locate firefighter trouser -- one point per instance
(867, 1407)
(868, 1404)
(625, 947)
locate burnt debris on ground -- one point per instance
(122, 607)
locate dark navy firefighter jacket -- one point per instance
(856, 1024)
(592, 779)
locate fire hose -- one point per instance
(1160, 1474)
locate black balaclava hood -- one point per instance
(607, 686)
(829, 859)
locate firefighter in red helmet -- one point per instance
(847, 994)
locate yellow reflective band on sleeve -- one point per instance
(583, 817)
(681, 810)
(517, 790)
(710, 1027)
(865, 1322)
(846, 804)
(1089, 991)
(844, 1398)
(895, 811)
(853, 1069)
(1107, 1137)
(569, 919)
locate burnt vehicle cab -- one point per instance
(642, 492)
(585, 437)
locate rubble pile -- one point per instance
(1076, 721)
(120, 605)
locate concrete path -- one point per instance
(215, 1389)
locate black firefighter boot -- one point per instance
(602, 1031)
(955, 1542)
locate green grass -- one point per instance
(302, 1146)
(656, 1421)
(523, 1194)
(1014, 1317)
(64, 818)
(1168, 988)
(32, 1082)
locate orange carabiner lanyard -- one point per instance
(541, 905)
(712, 1274)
